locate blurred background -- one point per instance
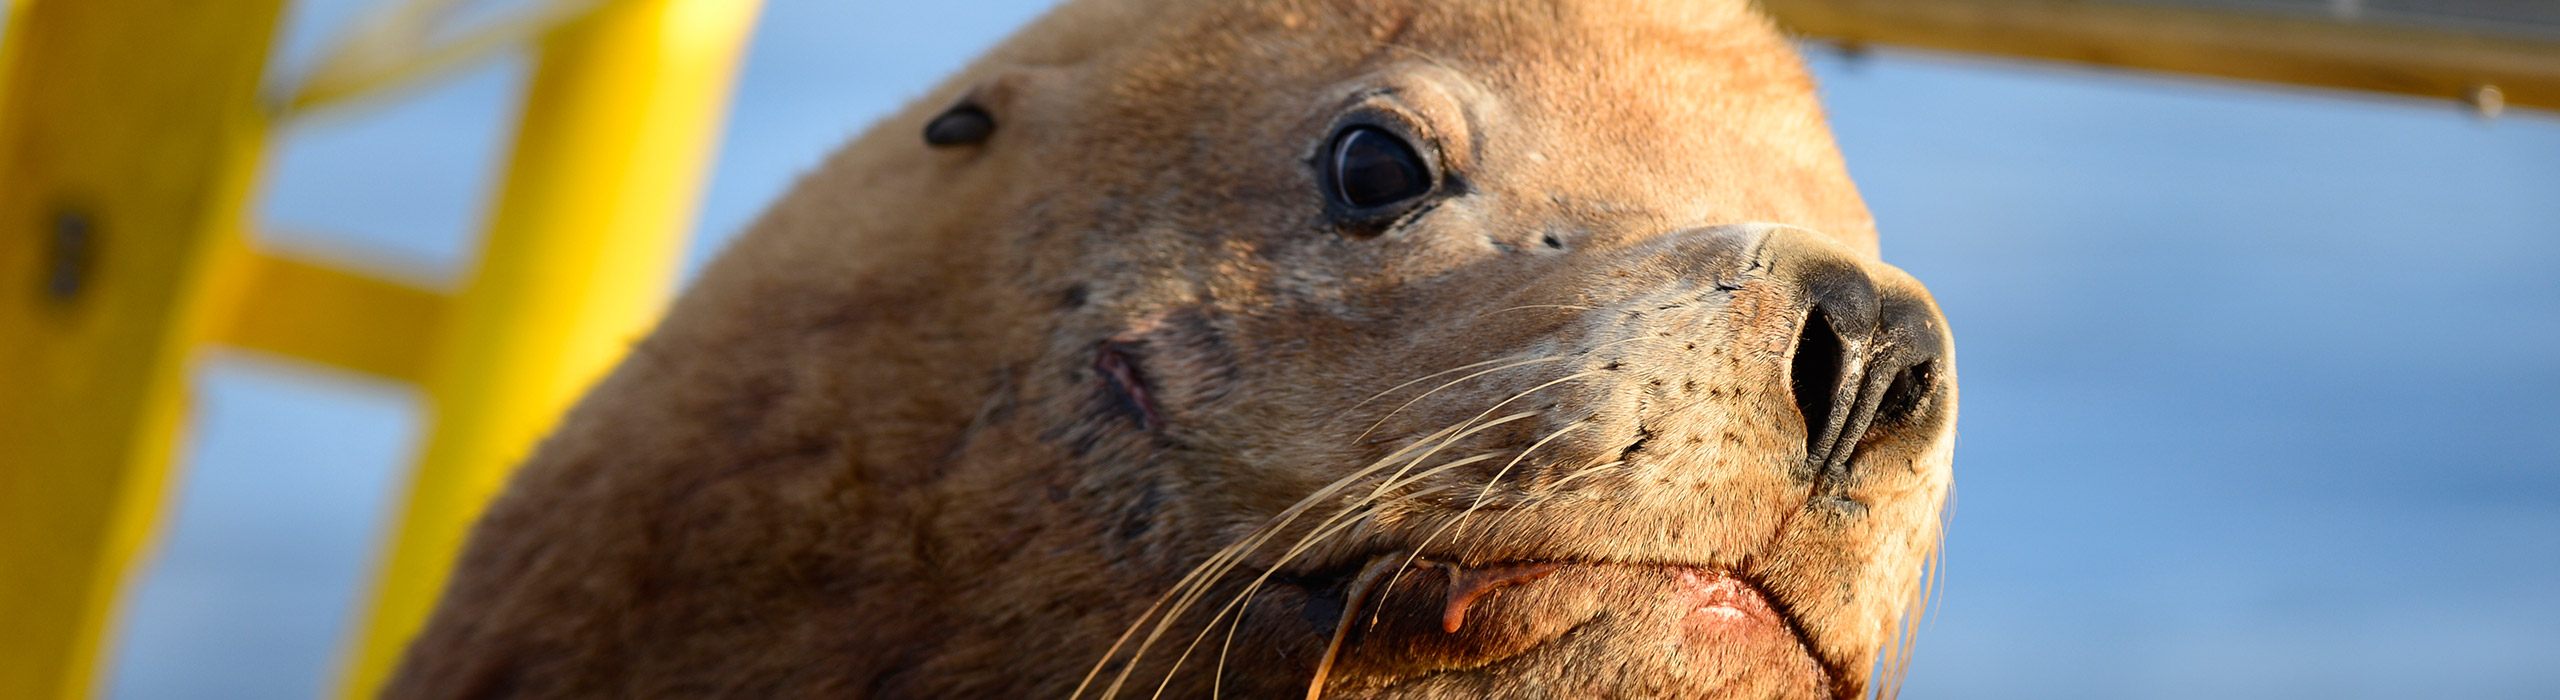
(2261, 385)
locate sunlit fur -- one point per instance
(874, 451)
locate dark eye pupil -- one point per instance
(1372, 168)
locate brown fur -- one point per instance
(874, 452)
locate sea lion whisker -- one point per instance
(1325, 530)
(1341, 521)
(1333, 525)
(1252, 539)
(1427, 377)
(1516, 397)
(1223, 562)
(1543, 306)
(1235, 604)
(1182, 595)
(1485, 492)
(1330, 526)
(1352, 600)
(1208, 572)
(1382, 420)
(1515, 461)
(1896, 661)
(1477, 427)
(1585, 471)
(1218, 677)
(1187, 583)
(1553, 490)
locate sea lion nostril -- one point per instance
(1868, 361)
(1837, 288)
(1911, 347)
(1828, 369)
(1813, 376)
(1910, 387)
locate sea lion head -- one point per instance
(1280, 347)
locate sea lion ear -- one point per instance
(963, 124)
(972, 119)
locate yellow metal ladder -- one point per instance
(130, 132)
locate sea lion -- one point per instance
(1263, 348)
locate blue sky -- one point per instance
(2257, 383)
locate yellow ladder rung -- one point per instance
(334, 317)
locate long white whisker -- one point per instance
(1252, 540)
(1553, 490)
(1225, 562)
(1219, 676)
(1427, 377)
(1382, 420)
(1486, 491)
(1329, 527)
(1236, 605)
(1195, 583)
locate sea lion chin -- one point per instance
(1262, 348)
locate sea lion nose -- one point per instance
(1868, 357)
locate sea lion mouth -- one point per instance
(1404, 620)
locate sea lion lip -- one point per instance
(1723, 592)
(1722, 605)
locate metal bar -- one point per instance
(406, 42)
(616, 137)
(2300, 49)
(334, 317)
(122, 178)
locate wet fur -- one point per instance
(878, 450)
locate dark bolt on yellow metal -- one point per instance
(68, 255)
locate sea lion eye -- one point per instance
(1372, 168)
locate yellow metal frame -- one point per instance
(122, 177)
(599, 195)
(2485, 70)
(123, 181)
